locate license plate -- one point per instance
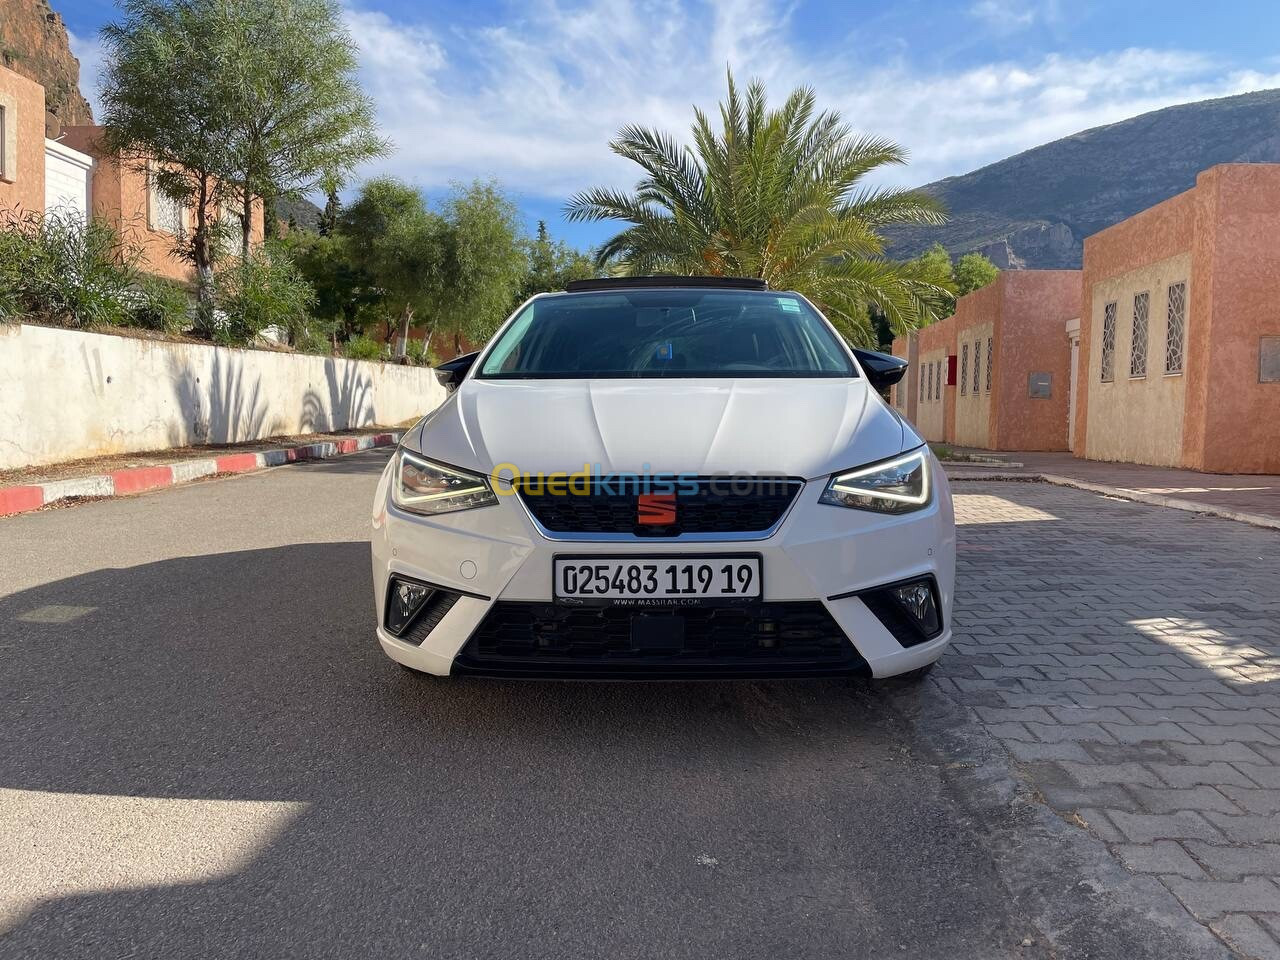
(657, 581)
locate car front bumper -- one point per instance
(821, 554)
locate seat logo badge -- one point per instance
(656, 509)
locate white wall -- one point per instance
(66, 178)
(66, 394)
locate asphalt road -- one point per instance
(203, 753)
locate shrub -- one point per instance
(418, 353)
(263, 291)
(162, 304)
(58, 266)
(363, 348)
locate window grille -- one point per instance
(964, 368)
(937, 380)
(977, 367)
(1176, 331)
(1138, 347)
(921, 374)
(989, 355)
(1108, 372)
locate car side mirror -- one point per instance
(883, 370)
(452, 374)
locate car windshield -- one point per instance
(666, 333)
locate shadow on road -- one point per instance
(473, 818)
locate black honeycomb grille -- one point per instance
(750, 640)
(719, 505)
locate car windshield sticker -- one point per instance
(791, 306)
(664, 351)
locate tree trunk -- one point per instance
(200, 256)
(405, 319)
(457, 343)
(246, 222)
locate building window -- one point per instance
(1175, 333)
(977, 344)
(964, 368)
(937, 379)
(1108, 343)
(1138, 347)
(921, 374)
(164, 214)
(989, 364)
(8, 138)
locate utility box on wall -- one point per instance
(1040, 386)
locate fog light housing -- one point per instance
(405, 600)
(911, 610)
(917, 599)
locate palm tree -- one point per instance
(777, 194)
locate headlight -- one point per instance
(899, 485)
(421, 486)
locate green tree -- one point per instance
(552, 264)
(972, 272)
(298, 118)
(483, 264)
(346, 298)
(776, 194)
(165, 117)
(399, 244)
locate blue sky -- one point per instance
(530, 91)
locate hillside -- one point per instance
(33, 43)
(1034, 209)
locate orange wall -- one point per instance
(1025, 313)
(22, 187)
(1031, 338)
(1227, 226)
(1241, 417)
(1157, 233)
(120, 196)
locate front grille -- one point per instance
(718, 505)
(748, 640)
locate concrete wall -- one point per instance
(1031, 338)
(65, 394)
(1158, 235)
(1216, 416)
(22, 165)
(1240, 431)
(1137, 419)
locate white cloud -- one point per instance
(1010, 16)
(535, 101)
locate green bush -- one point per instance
(418, 353)
(263, 291)
(59, 267)
(363, 348)
(162, 304)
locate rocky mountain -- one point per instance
(1035, 209)
(33, 43)
(299, 214)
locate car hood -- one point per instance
(797, 428)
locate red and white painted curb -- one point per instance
(137, 479)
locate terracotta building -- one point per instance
(996, 374)
(1179, 342)
(125, 195)
(22, 118)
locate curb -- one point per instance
(1138, 496)
(23, 499)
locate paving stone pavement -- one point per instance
(1128, 657)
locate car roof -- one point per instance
(665, 282)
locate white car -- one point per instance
(665, 478)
